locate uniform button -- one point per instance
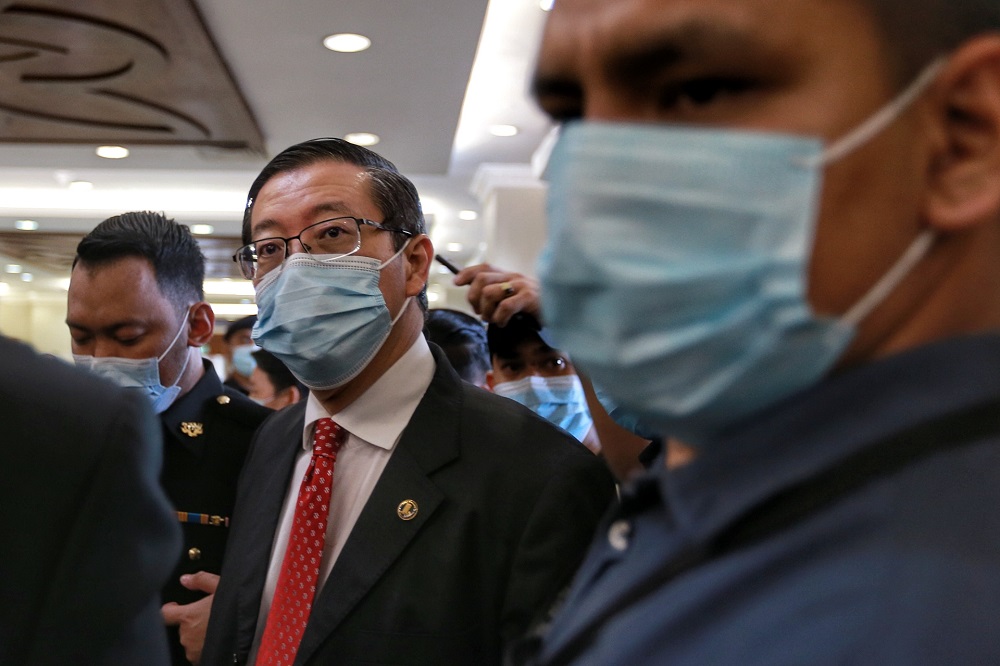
(618, 534)
(223, 400)
(194, 553)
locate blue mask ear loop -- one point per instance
(847, 144)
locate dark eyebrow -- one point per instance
(657, 49)
(650, 52)
(269, 223)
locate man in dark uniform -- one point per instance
(137, 316)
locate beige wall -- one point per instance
(38, 319)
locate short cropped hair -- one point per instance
(462, 338)
(392, 192)
(171, 248)
(394, 195)
(277, 372)
(918, 31)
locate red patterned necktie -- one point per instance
(296, 588)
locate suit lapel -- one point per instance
(429, 441)
(276, 446)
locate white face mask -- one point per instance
(141, 374)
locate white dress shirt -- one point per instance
(374, 423)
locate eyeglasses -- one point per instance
(337, 237)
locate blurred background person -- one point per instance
(499, 296)
(87, 537)
(238, 352)
(272, 384)
(462, 337)
(526, 369)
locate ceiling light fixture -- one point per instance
(112, 152)
(454, 247)
(227, 287)
(546, 5)
(202, 229)
(27, 277)
(362, 138)
(81, 185)
(346, 42)
(13, 269)
(233, 309)
(26, 225)
(467, 215)
(503, 130)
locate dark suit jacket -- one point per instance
(206, 434)
(87, 537)
(507, 504)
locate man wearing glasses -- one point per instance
(398, 515)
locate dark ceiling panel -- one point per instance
(107, 71)
(54, 252)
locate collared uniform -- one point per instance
(206, 433)
(902, 568)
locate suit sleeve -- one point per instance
(104, 597)
(555, 539)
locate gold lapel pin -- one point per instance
(192, 428)
(407, 509)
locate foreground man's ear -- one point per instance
(964, 180)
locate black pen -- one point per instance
(447, 264)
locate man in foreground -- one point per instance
(398, 514)
(87, 538)
(774, 231)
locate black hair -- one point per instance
(279, 374)
(503, 341)
(462, 337)
(240, 325)
(915, 33)
(392, 192)
(171, 248)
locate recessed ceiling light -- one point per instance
(26, 225)
(27, 277)
(546, 5)
(362, 138)
(454, 247)
(433, 296)
(13, 269)
(4, 288)
(112, 152)
(467, 215)
(81, 185)
(346, 42)
(503, 130)
(202, 229)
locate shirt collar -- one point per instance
(824, 424)
(380, 414)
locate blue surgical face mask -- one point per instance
(676, 264)
(141, 374)
(324, 318)
(559, 399)
(243, 360)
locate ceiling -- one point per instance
(203, 92)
